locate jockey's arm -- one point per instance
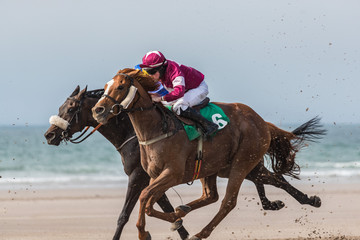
(179, 89)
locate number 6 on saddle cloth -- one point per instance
(212, 113)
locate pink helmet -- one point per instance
(153, 59)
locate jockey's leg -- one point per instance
(191, 98)
(206, 126)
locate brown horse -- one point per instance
(169, 159)
(120, 133)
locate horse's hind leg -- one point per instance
(265, 202)
(280, 182)
(260, 176)
(209, 195)
(241, 166)
(228, 203)
(256, 176)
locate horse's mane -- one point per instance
(144, 79)
(95, 93)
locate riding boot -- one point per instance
(207, 127)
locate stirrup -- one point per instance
(210, 132)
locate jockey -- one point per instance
(186, 87)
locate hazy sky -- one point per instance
(288, 60)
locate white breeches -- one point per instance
(191, 98)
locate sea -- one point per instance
(27, 161)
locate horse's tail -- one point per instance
(284, 145)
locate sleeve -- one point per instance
(179, 89)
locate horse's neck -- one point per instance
(116, 131)
(146, 123)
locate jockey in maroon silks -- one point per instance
(185, 85)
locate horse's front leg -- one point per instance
(138, 180)
(166, 206)
(152, 193)
(210, 195)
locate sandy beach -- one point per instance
(91, 213)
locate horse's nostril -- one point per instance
(99, 110)
(50, 135)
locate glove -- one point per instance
(155, 98)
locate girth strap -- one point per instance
(198, 160)
(159, 138)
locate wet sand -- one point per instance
(91, 213)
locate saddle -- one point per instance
(201, 105)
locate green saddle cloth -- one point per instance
(212, 113)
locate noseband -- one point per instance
(65, 133)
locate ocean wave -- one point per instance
(331, 173)
(335, 165)
(63, 181)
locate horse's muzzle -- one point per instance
(100, 114)
(98, 110)
(51, 138)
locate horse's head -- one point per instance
(121, 93)
(69, 120)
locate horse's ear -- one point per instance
(82, 93)
(76, 91)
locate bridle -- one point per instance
(65, 133)
(126, 99)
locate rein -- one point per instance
(165, 126)
(65, 133)
(87, 128)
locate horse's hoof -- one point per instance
(176, 225)
(316, 201)
(275, 205)
(184, 208)
(279, 205)
(194, 238)
(147, 237)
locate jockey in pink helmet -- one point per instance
(186, 87)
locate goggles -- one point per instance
(151, 71)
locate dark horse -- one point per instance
(122, 136)
(236, 152)
(77, 112)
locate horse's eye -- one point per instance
(71, 110)
(120, 87)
